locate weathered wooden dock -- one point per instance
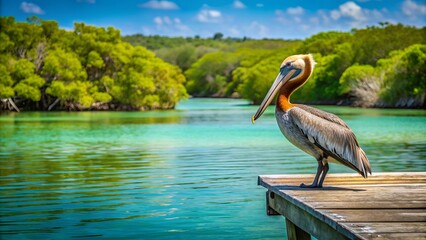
(383, 206)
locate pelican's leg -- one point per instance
(324, 173)
(317, 176)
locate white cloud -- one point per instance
(164, 21)
(239, 4)
(284, 18)
(352, 10)
(355, 15)
(158, 20)
(168, 25)
(259, 5)
(209, 15)
(31, 8)
(412, 9)
(162, 5)
(295, 11)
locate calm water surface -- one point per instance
(184, 174)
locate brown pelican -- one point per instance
(323, 135)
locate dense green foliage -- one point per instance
(160, 42)
(404, 77)
(242, 72)
(44, 67)
(214, 66)
(376, 66)
(361, 68)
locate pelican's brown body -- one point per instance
(323, 135)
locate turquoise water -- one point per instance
(190, 173)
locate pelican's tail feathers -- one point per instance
(365, 164)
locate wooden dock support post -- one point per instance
(270, 211)
(295, 233)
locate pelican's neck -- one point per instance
(283, 100)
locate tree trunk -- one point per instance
(12, 104)
(53, 104)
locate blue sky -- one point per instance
(235, 18)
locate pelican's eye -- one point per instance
(288, 64)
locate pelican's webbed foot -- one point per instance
(310, 186)
(319, 177)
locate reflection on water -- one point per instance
(188, 173)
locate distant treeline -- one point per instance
(379, 66)
(43, 67)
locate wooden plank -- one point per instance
(375, 215)
(336, 204)
(339, 179)
(386, 227)
(356, 189)
(395, 236)
(328, 180)
(359, 199)
(353, 190)
(370, 195)
(347, 177)
(366, 197)
(358, 183)
(374, 192)
(376, 175)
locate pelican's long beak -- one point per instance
(284, 75)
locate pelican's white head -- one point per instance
(295, 69)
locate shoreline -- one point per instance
(114, 108)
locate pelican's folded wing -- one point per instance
(325, 115)
(332, 135)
